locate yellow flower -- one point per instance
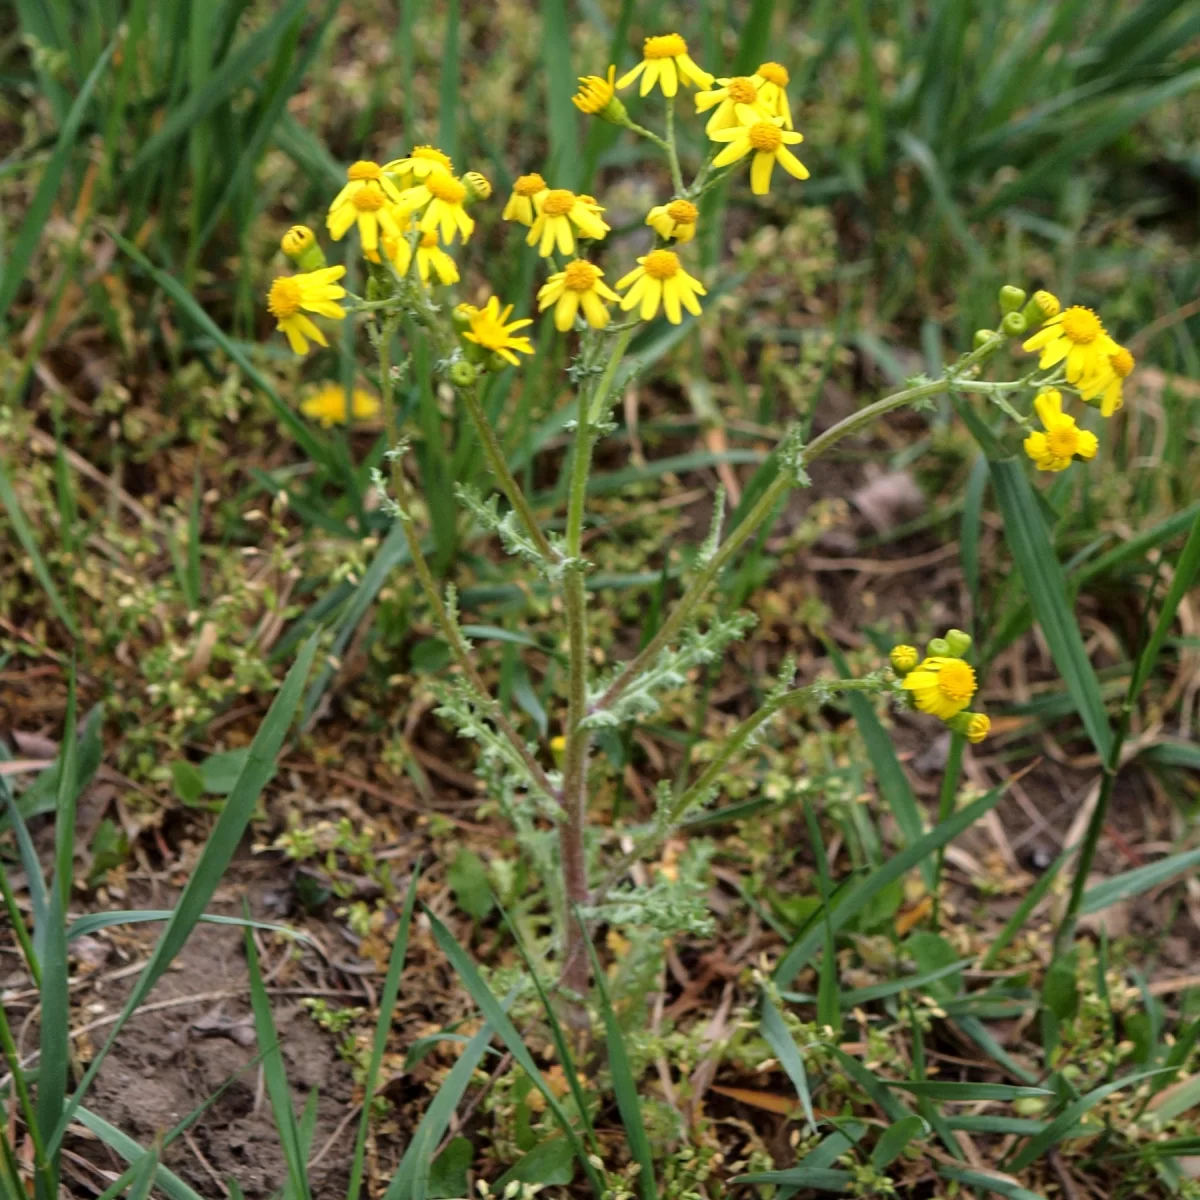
(491, 329)
(597, 97)
(737, 102)
(665, 61)
(772, 79)
(525, 202)
(316, 292)
(297, 239)
(442, 197)
(675, 220)
(1107, 383)
(1077, 336)
(1056, 449)
(903, 659)
(979, 725)
(557, 211)
(1047, 305)
(328, 405)
(661, 279)
(418, 166)
(367, 199)
(431, 258)
(577, 286)
(769, 144)
(941, 686)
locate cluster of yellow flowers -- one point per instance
(415, 207)
(1074, 341)
(943, 682)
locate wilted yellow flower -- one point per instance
(297, 239)
(293, 295)
(768, 142)
(442, 197)
(1076, 337)
(366, 199)
(675, 220)
(665, 61)
(661, 279)
(577, 286)
(479, 186)
(1106, 385)
(559, 214)
(525, 201)
(491, 329)
(772, 79)
(1056, 449)
(736, 101)
(903, 659)
(418, 166)
(941, 686)
(328, 405)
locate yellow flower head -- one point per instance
(772, 79)
(768, 142)
(737, 102)
(328, 405)
(1077, 337)
(661, 279)
(577, 286)
(665, 61)
(941, 686)
(366, 200)
(559, 214)
(979, 725)
(291, 296)
(418, 166)
(479, 187)
(1106, 385)
(903, 659)
(597, 96)
(491, 329)
(675, 220)
(442, 197)
(431, 258)
(1056, 449)
(525, 200)
(297, 239)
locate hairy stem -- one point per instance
(433, 596)
(499, 466)
(672, 151)
(778, 488)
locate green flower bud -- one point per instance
(497, 363)
(374, 290)
(1041, 307)
(983, 335)
(463, 373)
(1011, 298)
(1014, 324)
(937, 648)
(972, 725)
(958, 641)
(300, 245)
(903, 658)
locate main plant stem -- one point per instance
(778, 488)
(591, 403)
(433, 596)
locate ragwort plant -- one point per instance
(409, 216)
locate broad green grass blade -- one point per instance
(169, 284)
(938, 1089)
(856, 898)
(1185, 576)
(91, 922)
(54, 1060)
(451, 83)
(819, 1179)
(991, 1181)
(875, 1087)
(67, 801)
(624, 1084)
(132, 1153)
(16, 263)
(754, 43)
(34, 883)
(1038, 563)
(507, 1031)
(214, 860)
(560, 83)
(889, 774)
(278, 1091)
(880, 991)
(16, 518)
(779, 1038)
(895, 1138)
(1139, 880)
(233, 73)
(383, 1026)
(42, 795)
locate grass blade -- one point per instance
(779, 1038)
(991, 1181)
(1140, 879)
(560, 83)
(894, 1139)
(939, 1089)
(66, 802)
(1038, 563)
(1185, 575)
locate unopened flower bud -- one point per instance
(937, 648)
(463, 373)
(982, 336)
(497, 363)
(1011, 298)
(597, 96)
(558, 749)
(462, 315)
(1014, 324)
(972, 725)
(958, 641)
(479, 187)
(300, 245)
(1041, 307)
(903, 659)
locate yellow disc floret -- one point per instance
(525, 200)
(662, 264)
(675, 220)
(283, 300)
(775, 73)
